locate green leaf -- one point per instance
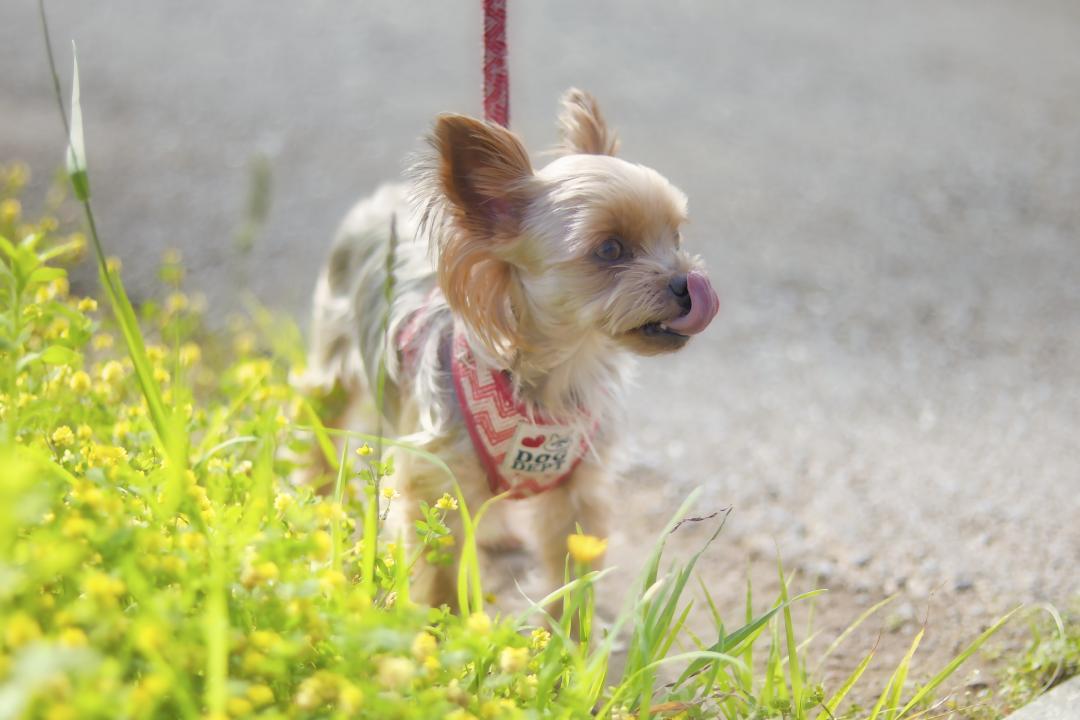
(59, 355)
(76, 154)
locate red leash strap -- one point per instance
(496, 76)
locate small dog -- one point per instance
(510, 358)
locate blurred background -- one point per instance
(887, 195)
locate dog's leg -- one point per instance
(421, 482)
(583, 500)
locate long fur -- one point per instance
(514, 261)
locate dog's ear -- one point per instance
(483, 171)
(583, 128)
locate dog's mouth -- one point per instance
(659, 330)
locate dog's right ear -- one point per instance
(583, 128)
(485, 173)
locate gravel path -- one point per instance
(888, 195)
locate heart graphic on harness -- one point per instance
(533, 442)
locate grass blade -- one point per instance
(956, 662)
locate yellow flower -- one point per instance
(61, 711)
(364, 450)
(79, 383)
(238, 707)
(331, 580)
(103, 587)
(10, 210)
(156, 353)
(424, 646)
(585, 549)
(190, 353)
(395, 672)
(539, 639)
(21, 629)
(446, 502)
(323, 544)
(478, 623)
(114, 265)
(283, 501)
(112, 373)
(101, 342)
(264, 639)
(85, 432)
(62, 436)
(87, 305)
(350, 698)
(176, 302)
(260, 695)
(513, 660)
(389, 493)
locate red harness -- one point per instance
(523, 453)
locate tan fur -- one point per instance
(515, 259)
(582, 126)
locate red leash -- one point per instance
(496, 75)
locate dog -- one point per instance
(520, 298)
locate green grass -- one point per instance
(156, 560)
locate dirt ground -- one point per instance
(888, 196)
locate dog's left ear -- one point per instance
(583, 128)
(484, 174)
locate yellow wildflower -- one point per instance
(364, 450)
(114, 264)
(395, 673)
(176, 302)
(21, 629)
(585, 549)
(446, 502)
(260, 695)
(283, 501)
(79, 383)
(539, 638)
(87, 305)
(350, 698)
(323, 544)
(478, 623)
(62, 436)
(238, 707)
(112, 373)
(190, 353)
(513, 660)
(103, 587)
(72, 637)
(331, 580)
(264, 639)
(101, 342)
(424, 645)
(85, 432)
(10, 210)
(389, 493)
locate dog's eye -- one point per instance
(610, 250)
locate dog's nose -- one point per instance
(677, 286)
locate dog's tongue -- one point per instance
(704, 303)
